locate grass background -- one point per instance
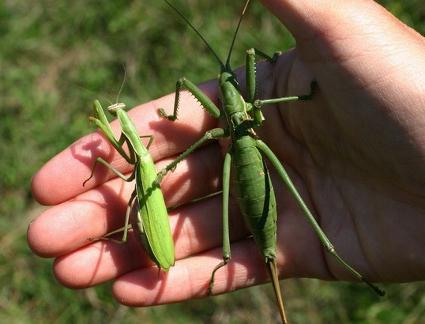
(55, 58)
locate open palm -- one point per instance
(355, 152)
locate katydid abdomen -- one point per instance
(255, 195)
(257, 202)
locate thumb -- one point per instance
(308, 19)
(354, 43)
(338, 29)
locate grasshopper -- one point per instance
(244, 157)
(151, 222)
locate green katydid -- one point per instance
(254, 190)
(151, 222)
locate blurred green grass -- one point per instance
(55, 58)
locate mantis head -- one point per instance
(115, 107)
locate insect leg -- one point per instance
(226, 240)
(127, 215)
(214, 133)
(261, 102)
(250, 67)
(206, 102)
(102, 122)
(251, 85)
(150, 140)
(112, 168)
(123, 229)
(309, 216)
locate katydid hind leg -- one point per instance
(309, 216)
(226, 239)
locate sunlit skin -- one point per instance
(356, 152)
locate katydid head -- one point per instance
(228, 76)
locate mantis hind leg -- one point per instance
(309, 216)
(127, 215)
(125, 228)
(151, 137)
(226, 239)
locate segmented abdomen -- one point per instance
(255, 195)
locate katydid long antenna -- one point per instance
(197, 32)
(235, 34)
(223, 66)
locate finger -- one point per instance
(69, 226)
(360, 54)
(195, 229)
(306, 19)
(196, 232)
(189, 278)
(61, 178)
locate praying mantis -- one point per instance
(151, 222)
(244, 158)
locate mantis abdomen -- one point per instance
(153, 227)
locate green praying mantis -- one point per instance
(244, 158)
(151, 222)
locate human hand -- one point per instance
(346, 150)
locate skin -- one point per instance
(356, 152)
